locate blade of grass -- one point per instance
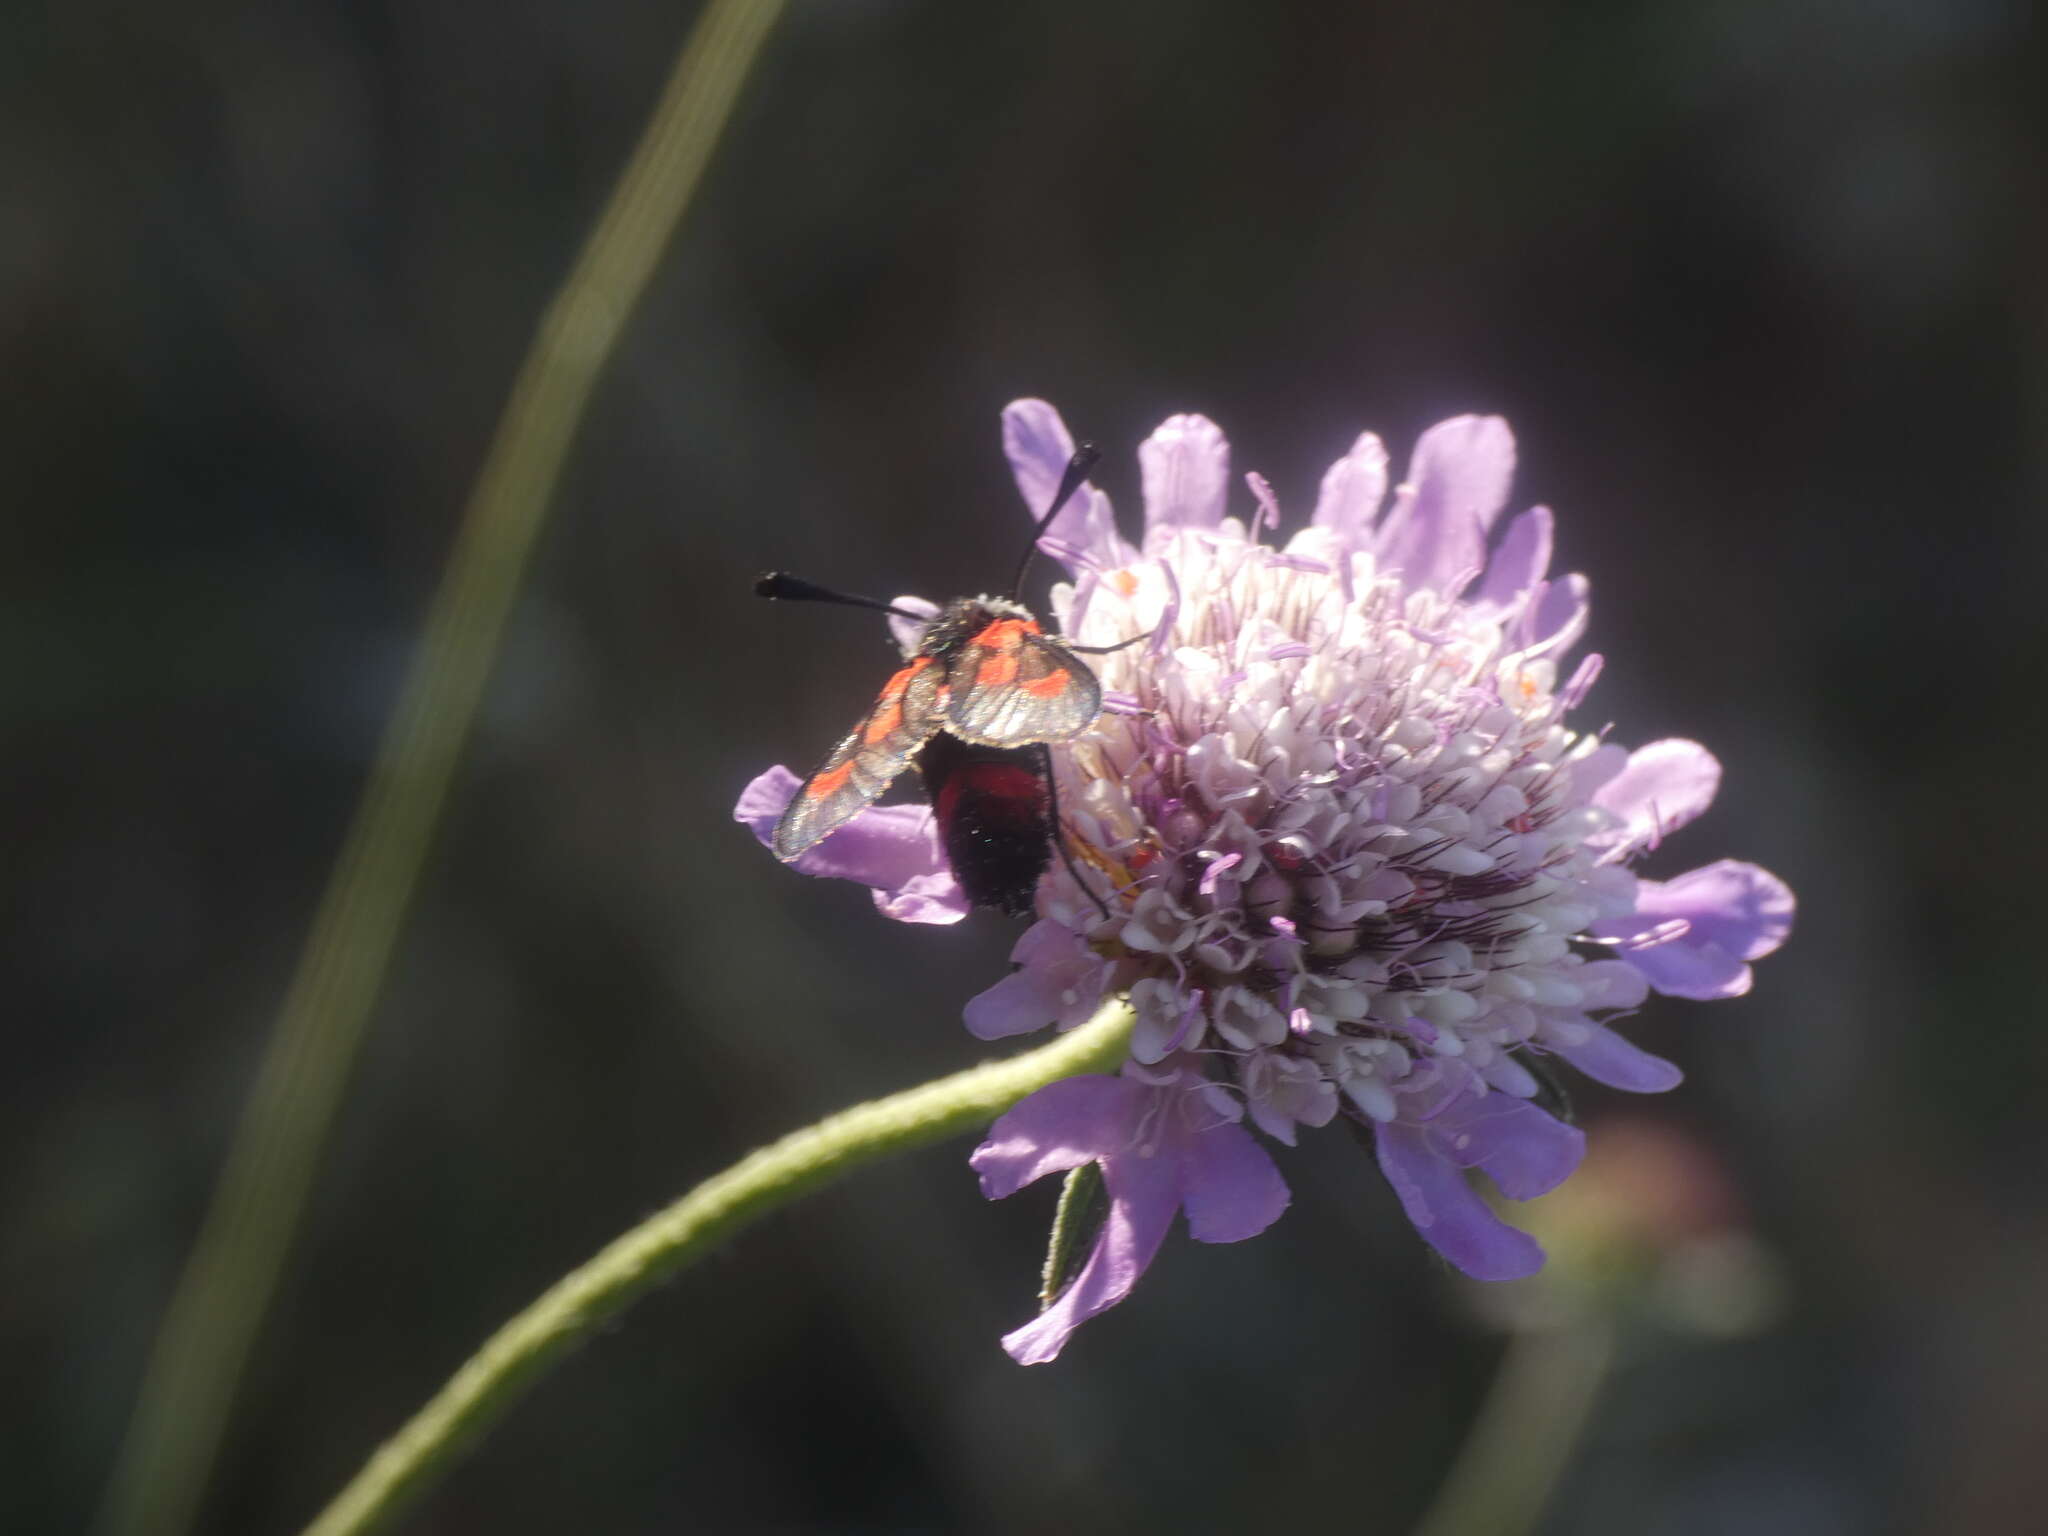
(1526, 1432)
(204, 1342)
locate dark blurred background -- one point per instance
(1761, 288)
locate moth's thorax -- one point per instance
(964, 618)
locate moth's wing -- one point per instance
(910, 709)
(1011, 686)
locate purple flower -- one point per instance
(1356, 861)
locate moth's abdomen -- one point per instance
(995, 819)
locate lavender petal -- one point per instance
(1143, 1196)
(908, 632)
(1692, 936)
(1230, 1186)
(1448, 1212)
(1663, 786)
(1619, 1063)
(893, 848)
(1457, 484)
(1525, 1151)
(1058, 980)
(1352, 491)
(1039, 447)
(1521, 560)
(1063, 1125)
(1186, 468)
(1556, 618)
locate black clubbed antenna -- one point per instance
(781, 587)
(1084, 459)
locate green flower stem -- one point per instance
(1526, 1431)
(482, 1391)
(211, 1324)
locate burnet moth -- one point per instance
(983, 696)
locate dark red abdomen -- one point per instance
(995, 819)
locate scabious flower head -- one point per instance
(1357, 863)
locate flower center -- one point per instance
(1343, 828)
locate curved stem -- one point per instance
(225, 1290)
(480, 1393)
(1526, 1431)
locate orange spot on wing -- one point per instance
(1050, 686)
(888, 714)
(1004, 641)
(828, 784)
(895, 687)
(885, 720)
(1006, 634)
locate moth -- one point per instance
(976, 705)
